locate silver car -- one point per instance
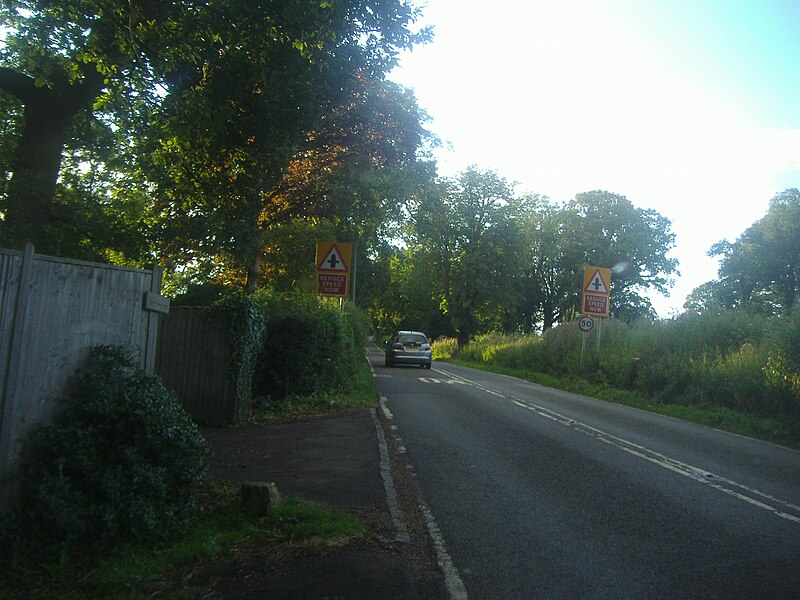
(409, 348)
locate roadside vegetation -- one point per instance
(224, 154)
(312, 360)
(732, 369)
(117, 493)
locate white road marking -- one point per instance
(452, 580)
(436, 380)
(754, 497)
(390, 491)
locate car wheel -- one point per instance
(427, 365)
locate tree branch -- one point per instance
(18, 84)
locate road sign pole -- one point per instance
(583, 347)
(599, 327)
(354, 259)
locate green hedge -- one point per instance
(309, 346)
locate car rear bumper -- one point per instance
(410, 359)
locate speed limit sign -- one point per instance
(586, 324)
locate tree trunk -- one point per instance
(548, 316)
(49, 114)
(253, 271)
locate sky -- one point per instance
(687, 107)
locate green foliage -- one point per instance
(761, 269)
(197, 107)
(309, 346)
(444, 347)
(123, 462)
(219, 528)
(477, 259)
(297, 519)
(730, 360)
(248, 324)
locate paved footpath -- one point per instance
(345, 462)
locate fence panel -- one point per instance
(52, 312)
(194, 360)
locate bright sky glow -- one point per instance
(688, 107)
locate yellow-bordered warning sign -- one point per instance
(333, 257)
(333, 268)
(596, 291)
(597, 280)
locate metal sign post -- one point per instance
(585, 325)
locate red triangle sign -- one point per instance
(333, 261)
(597, 285)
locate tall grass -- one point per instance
(730, 360)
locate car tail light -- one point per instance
(425, 347)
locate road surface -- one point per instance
(537, 493)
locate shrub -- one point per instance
(444, 348)
(730, 359)
(122, 463)
(735, 380)
(247, 323)
(518, 351)
(562, 350)
(357, 320)
(309, 346)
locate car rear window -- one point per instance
(412, 339)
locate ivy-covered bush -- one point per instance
(123, 462)
(247, 321)
(309, 346)
(300, 354)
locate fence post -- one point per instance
(10, 392)
(149, 358)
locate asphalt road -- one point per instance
(539, 493)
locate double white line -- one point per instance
(780, 508)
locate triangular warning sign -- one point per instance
(333, 261)
(597, 285)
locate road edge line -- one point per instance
(390, 491)
(452, 579)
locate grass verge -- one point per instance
(782, 431)
(220, 528)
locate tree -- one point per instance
(595, 229)
(358, 168)
(552, 251)
(221, 204)
(510, 264)
(634, 242)
(761, 269)
(461, 230)
(247, 59)
(57, 59)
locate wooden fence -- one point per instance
(52, 312)
(194, 359)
